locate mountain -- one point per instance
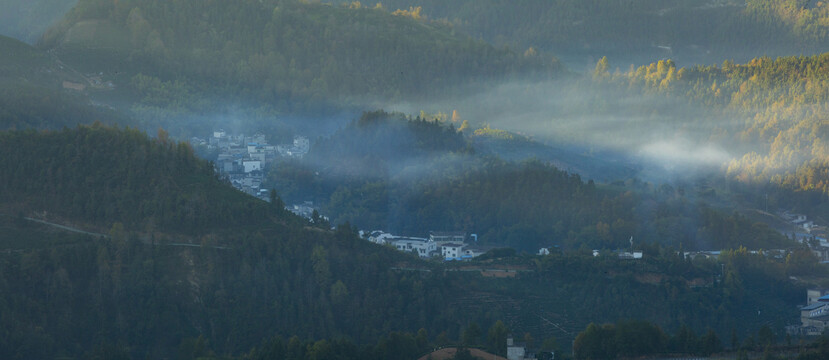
(688, 31)
(766, 115)
(27, 20)
(37, 91)
(115, 245)
(282, 51)
(178, 253)
(109, 176)
(409, 176)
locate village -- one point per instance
(242, 160)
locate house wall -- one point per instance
(252, 165)
(515, 353)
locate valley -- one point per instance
(291, 179)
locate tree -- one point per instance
(276, 201)
(710, 343)
(471, 335)
(595, 342)
(550, 344)
(765, 336)
(602, 69)
(496, 338)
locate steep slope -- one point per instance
(411, 176)
(689, 31)
(280, 50)
(27, 20)
(32, 93)
(198, 265)
(184, 255)
(103, 176)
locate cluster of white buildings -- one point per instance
(243, 159)
(622, 254)
(445, 245)
(799, 221)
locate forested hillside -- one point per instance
(31, 94)
(769, 113)
(286, 52)
(138, 289)
(410, 176)
(692, 31)
(190, 267)
(27, 20)
(102, 175)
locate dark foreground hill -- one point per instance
(188, 263)
(184, 255)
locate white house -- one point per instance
(630, 255)
(379, 237)
(451, 250)
(251, 165)
(302, 144)
(422, 246)
(814, 317)
(443, 237)
(516, 351)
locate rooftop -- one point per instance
(447, 233)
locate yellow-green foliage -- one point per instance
(779, 106)
(494, 133)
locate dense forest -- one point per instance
(164, 287)
(373, 174)
(31, 94)
(150, 292)
(28, 20)
(768, 112)
(102, 175)
(285, 52)
(116, 244)
(692, 31)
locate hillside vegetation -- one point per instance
(281, 51)
(103, 175)
(410, 176)
(31, 94)
(691, 31)
(27, 20)
(770, 113)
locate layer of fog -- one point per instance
(661, 134)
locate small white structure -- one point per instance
(379, 237)
(515, 351)
(447, 236)
(302, 144)
(422, 246)
(544, 251)
(630, 255)
(471, 252)
(252, 165)
(451, 251)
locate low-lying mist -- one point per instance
(661, 133)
